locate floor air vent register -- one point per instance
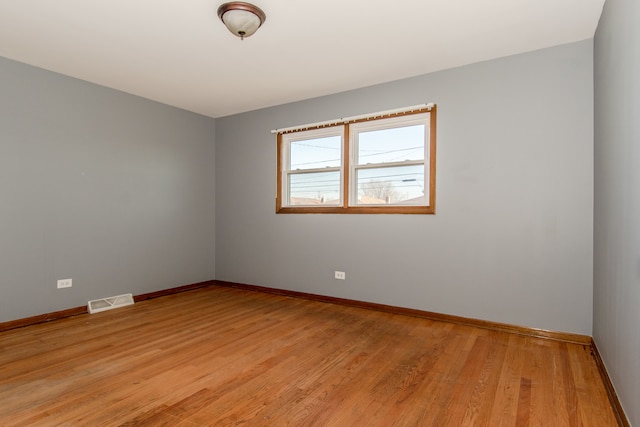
(102, 304)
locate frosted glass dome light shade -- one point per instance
(242, 19)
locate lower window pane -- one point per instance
(400, 185)
(317, 188)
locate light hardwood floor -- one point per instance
(219, 356)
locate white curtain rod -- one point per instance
(343, 120)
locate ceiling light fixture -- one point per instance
(242, 19)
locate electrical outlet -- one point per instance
(340, 275)
(65, 283)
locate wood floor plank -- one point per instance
(505, 408)
(523, 414)
(220, 356)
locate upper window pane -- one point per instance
(391, 145)
(316, 153)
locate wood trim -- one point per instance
(608, 385)
(279, 176)
(432, 159)
(171, 291)
(484, 324)
(56, 315)
(396, 209)
(41, 318)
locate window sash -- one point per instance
(288, 172)
(388, 124)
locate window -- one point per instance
(362, 165)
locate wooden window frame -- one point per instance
(346, 169)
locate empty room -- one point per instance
(319, 213)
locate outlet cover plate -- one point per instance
(65, 283)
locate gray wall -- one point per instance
(111, 190)
(616, 321)
(512, 240)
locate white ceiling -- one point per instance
(179, 53)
